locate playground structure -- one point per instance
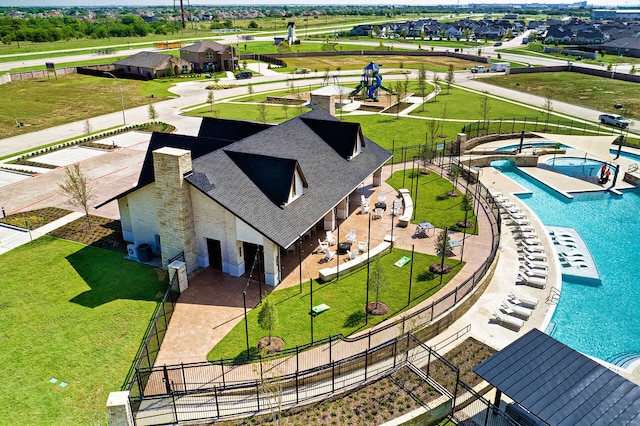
(370, 82)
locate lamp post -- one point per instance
(124, 119)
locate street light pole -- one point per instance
(124, 119)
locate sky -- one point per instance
(51, 3)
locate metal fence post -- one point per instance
(184, 378)
(297, 374)
(222, 368)
(215, 395)
(258, 395)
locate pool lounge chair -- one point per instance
(516, 310)
(535, 264)
(533, 249)
(579, 265)
(508, 320)
(520, 222)
(534, 272)
(534, 257)
(531, 241)
(523, 300)
(532, 281)
(527, 235)
(525, 228)
(560, 234)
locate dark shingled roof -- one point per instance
(144, 60)
(560, 385)
(328, 174)
(340, 136)
(203, 46)
(221, 128)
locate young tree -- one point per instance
(450, 77)
(262, 111)
(285, 107)
(548, 106)
(153, 114)
(436, 85)
(250, 90)
(422, 83)
(442, 243)
(485, 108)
(378, 280)
(77, 189)
(268, 317)
(211, 98)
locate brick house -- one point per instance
(210, 56)
(240, 190)
(152, 65)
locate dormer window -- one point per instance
(297, 186)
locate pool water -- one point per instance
(601, 319)
(575, 167)
(532, 145)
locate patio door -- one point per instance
(254, 260)
(215, 254)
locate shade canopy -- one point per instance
(560, 385)
(596, 146)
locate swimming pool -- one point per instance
(574, 166)
(602, 319)
(532, 145)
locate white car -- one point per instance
(480, 69)
(614, 120)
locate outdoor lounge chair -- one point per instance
(508, 320)
(328, 254)
(523, 300)
(525, 228)
(352, 254)
(331, 239)
(535, 264)
(532, 281)
(351, 236)
(534, 272)
(322, 246)
(520, 222)
(527, 235)
(516, 310)
(362, 246)
(566, 264)
(533, 249)
(560, 234)
(531, 241)
(534, 257)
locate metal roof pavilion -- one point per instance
(560, 385)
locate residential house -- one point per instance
(242, 192)
(210, 56)
(152, 65)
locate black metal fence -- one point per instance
(153, 336)
(534, 124)
(277, 389)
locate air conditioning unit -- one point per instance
(132, 252)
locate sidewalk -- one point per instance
(11, 237)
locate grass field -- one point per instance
(432, 63)
(346, 296)
(579, 89)
(73, 313)
(44, 103)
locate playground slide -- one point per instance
(372, 89)
(356, 90)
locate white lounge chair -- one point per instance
(322, 246)
(535, 264)
(534, 257)
(560, 234)
(534, 272)
(331, 239)
(527, 235)
(523, 300)
(520, 222)
(516, 310)
(352, 254)
(328, 254)
(532, 281)
(351, 236)
(517, 215)
(525, 228)
(362, 246)
(531, 241)
(508, 320)
(533, 249)
(578, 265)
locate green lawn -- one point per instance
(578, 89)
(74, 313)
(432, 204)
(49, 102)
(346, 297)
(248, 111)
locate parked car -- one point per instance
(243, 75)
(480, 69)
(497, 43)
(614, 120)
(302, 71)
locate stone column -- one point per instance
(377, 177)
(180, 269)
(324, 102)
(462, 142)
(119, 410)
(173, 201)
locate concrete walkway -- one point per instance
(11, 237)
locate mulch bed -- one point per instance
(437, 268)
(36, 218)
(270, 345)
(377, 308)
(103, 233)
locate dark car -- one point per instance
(244, 74)
(497, 43)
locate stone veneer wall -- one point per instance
(173, 200)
